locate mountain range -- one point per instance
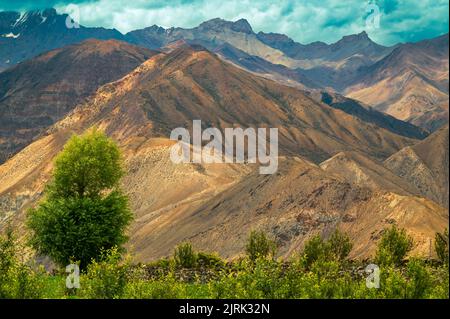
(393, 79)
(347, 160)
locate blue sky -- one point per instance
(303, 20)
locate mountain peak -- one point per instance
(219, 24)
(242, 25)
(359, 37)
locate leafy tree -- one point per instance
(441, 246)
(393, 247)
(259, 245)
(185, 256)
(84, 210)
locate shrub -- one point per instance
(17, 280)
(107, 278)
(83, 210)
(315, 249)
(441, 246)
(28, 283)
(259, 245)
(340, 245)
(209, 260)
(419, 282)
(184, 256)
(393, 247)
(7, 263)
(165, 288)
(336, 248)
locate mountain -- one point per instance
(330, 65)
(36, 93)
(368, 114)
(191, 83)
(363, 171)
(351, 45)
(26, 35)
(425, 165)
(407, 81)
(411, 83)
(312, 65)
(214, 204)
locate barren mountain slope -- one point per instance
(36, 93)
(298, 201)
(425, 165)
(362, 171)
(171, 90)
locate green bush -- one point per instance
(336, 248)
(259, 245)
(83, 210)
(315, 249)
(441, 246)
(28, 283)
(208, 260)
(419, 279)
(340, 245)
(393, 247)
(184, 256)
(7, 263)
(107, 278)
(165, 288)
(17, 280)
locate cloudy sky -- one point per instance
(303, 20)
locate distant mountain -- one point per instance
(357, 44)
(330, 65)
(23, 36)
(369, 114)
(315, 64)
(410, 84)
(36, 93)
(407, 81)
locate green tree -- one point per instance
(83, 211)
(259, 245)
(441, 246)
(393, 247)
